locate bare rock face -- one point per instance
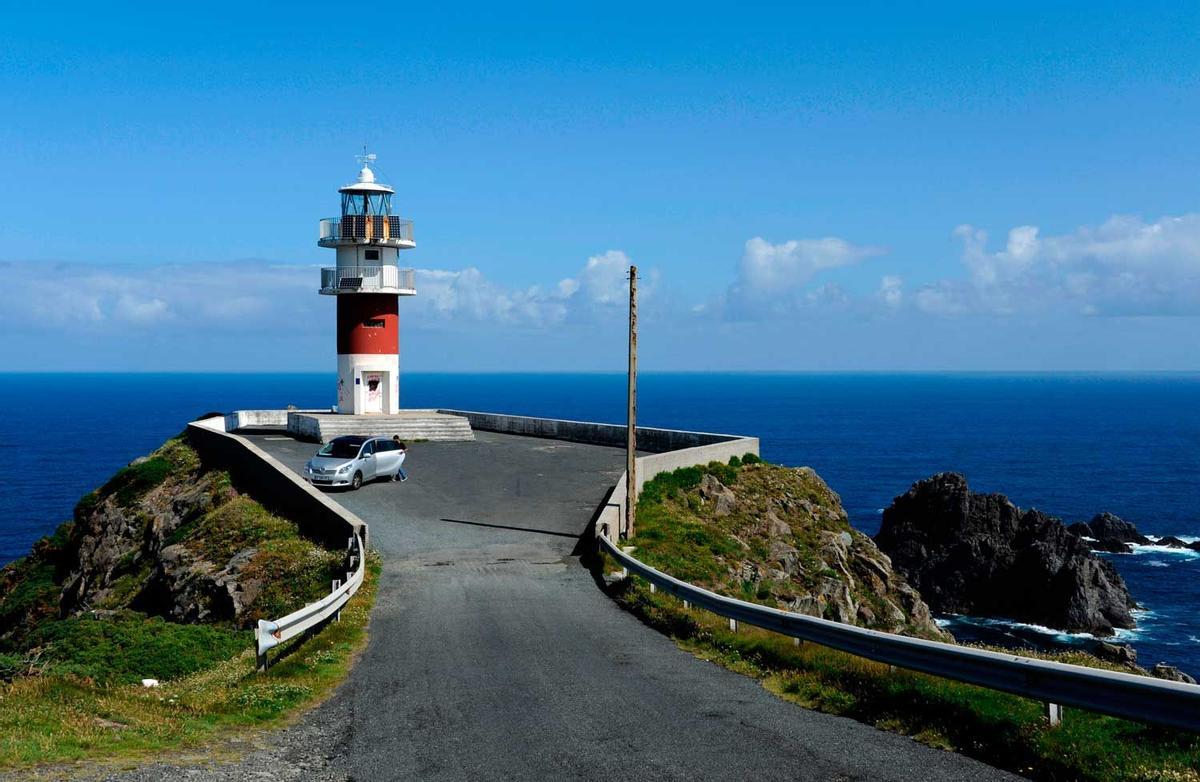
(723, 499)
(126, 548)
(192, 589)
(114, 542)
(978, 554)
(1117, 653)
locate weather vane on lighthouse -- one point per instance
(368, 283)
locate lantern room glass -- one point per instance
(366, 204)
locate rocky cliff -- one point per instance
(779, 536)
(166, 537)
(978, 554)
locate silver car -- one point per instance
(353, 460)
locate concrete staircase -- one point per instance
(410, 425)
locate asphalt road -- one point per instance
(493, 654)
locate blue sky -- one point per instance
(947, 186)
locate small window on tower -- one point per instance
(374, 323)
(372, 255)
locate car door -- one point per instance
(387, 457)
(368, 461)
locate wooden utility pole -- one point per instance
(631, 439)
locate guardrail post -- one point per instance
(653, 588)
(260, 658)
(733, 625)
(686, 605)
(1054, 714)
(797, 641)
(337, 615)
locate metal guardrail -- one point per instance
(1141, 698)
(268, 635)
(353, 279)
(386, 229)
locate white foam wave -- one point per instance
(1184, 538)
(1185, 553)
(1157, 563)
(1119, 634)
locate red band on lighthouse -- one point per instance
(368, 323)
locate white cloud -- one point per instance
(777, 268)
(772, 278)
(1124, 266)
(891, 291)
(256, 295)
(50, 296)
(600, 289)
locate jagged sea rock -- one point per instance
(980, 555)
(1170, 541)
(1109, 526)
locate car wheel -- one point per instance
(356, 481)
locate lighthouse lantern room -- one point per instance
(368, 283)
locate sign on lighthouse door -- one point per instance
(373, 392)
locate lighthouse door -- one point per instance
(372, 392)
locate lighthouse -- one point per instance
(367, 283)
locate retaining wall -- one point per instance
(655, 441)
(249, 419)
(275, 486)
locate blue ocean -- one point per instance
(1071, 445)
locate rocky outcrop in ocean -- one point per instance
(981, 555)
(1111, 533)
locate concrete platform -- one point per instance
(410, 425)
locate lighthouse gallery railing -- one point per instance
(365, 228)
(350, 279)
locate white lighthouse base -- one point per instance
(410, 426)
(368, 384)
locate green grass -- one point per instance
(70, 687)
(69, 717)
(130, 647)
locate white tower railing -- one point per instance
(379, 229)
(368, 279)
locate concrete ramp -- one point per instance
(410, 425)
